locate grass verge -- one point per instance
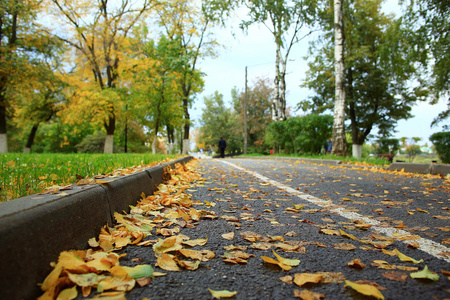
(26, 174)
(373, 161)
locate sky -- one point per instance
(256, 50)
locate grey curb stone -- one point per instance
(36, 228)
(435, 169)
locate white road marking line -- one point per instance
(426, 245)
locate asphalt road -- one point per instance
(261, 196)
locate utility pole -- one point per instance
(245, 113)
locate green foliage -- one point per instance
(219, 121)
(386, 146)
(93, 143)
(441, 140)
(300, 135)
(26, 174)
(377, 66)
(259, 96)
(428, 27)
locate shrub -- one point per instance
(441, 140)
(300, 135)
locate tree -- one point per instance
(378, 72)
(155, 86)
(411, 147)
(258, 112)
(218, 121)
(428, 24)
(285, 20)
(97, 30)
(339, 142)
(300, 135)
(190, 24)
(21, 44)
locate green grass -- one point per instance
(27, 174)
(369, 160)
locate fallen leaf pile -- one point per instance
(163, 213)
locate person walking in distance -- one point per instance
(222, 147)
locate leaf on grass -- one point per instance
(365, 289)
(228, 236)
(307, 278)
(425, 274)
(356, 263)
(308, 295)
(222, 294)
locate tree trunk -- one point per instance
(187, 126)
(109, 141)
(276, 99)
(3, 138)
(31, 137)
(282, 102)
(339, 140)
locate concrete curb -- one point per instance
(435, 169)
(36, 228)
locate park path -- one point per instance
(326, 217)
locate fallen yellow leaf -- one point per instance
(365, 289)
(305, 278)
(222, 294)
(228, 236)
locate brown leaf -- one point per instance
(332, 277)
(308, 295)
(291, 233)
(228, 236)
(261, 246)
(394, 275)
(286, 279)
(356, 263)
(307, 278)
(344, 246)
(232, 247)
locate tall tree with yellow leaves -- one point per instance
(97, 30)
(190, 23)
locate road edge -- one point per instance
(36, 228)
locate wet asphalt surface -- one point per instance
(261, 208)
